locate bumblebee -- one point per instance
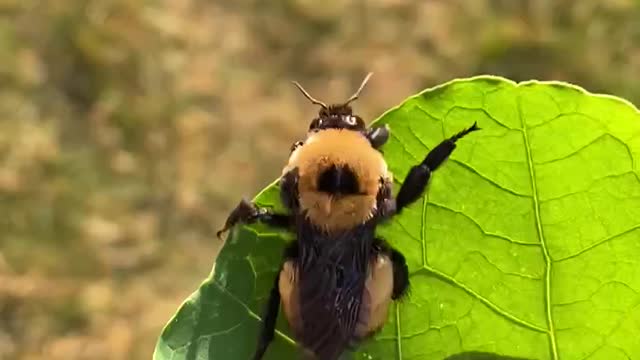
(338, 278)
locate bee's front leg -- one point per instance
(289, 194)
(248, 213)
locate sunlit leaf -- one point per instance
(527, 243)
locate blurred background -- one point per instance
(129, 130)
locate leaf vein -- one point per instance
(560, 115)
(488, 179)
(423, 229)
(495, 308)
(599, 243)
(545, 251)
(524, 276)
(404, 147)
(486, 233)
(406, 231)
(398, 332)
(579, 149)
(593, 293)
(484, 111)
(591, 184)
(250, 312)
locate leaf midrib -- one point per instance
(539, 231)
(434, 272)
(548, 261)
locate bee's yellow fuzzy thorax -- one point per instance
(327, 148)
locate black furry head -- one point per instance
(337, 116)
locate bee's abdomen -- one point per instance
(320, 330)
(376, 298)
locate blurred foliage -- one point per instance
(128, 129)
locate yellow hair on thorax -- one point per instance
(324, 149)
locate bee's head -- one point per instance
(337, 116)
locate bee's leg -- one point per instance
(289, 189)
(400, 268)
(418, 177)
(378, 136)
(295, 145)
(247, 213)
(385, 203)
(270, 314)
(269, 318)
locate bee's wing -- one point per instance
(331, 289)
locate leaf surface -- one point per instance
(526, 243)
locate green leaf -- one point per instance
(527, 243)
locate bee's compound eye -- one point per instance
(351, 120)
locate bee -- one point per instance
(338, 277)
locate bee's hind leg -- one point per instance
(400, 268)
(248, 213)
(270, 314)
(269, 318)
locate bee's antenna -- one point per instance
(357, 93)
(306, 94)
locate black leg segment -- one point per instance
(295, 145)
(269, 318)
(272, 308)
(248, 213)
(400, 268)
(289, 189)
(385, 203)
(418, 177)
